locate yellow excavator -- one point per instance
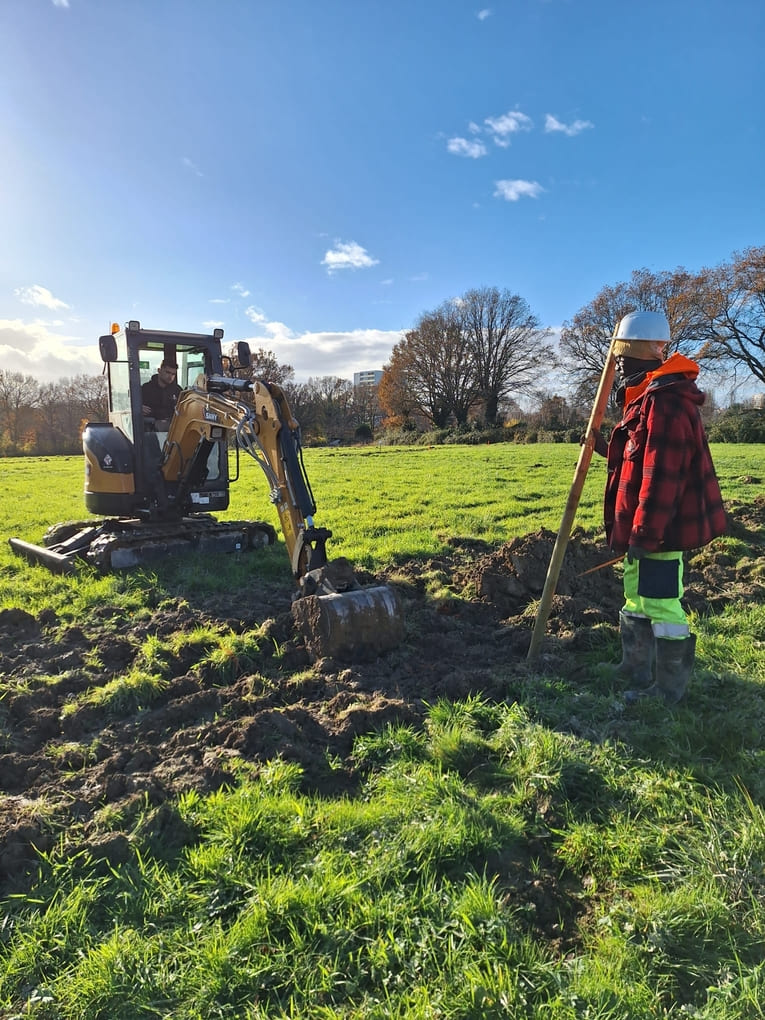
(156, 484)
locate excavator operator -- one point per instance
(160, 394)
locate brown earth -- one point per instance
(469, 614)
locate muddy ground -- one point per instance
(64, 764)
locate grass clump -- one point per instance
(126, 694)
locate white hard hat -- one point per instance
(644, 326)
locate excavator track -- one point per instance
(114, 544)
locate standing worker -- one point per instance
(662, 498)
(160, 394)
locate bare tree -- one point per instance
(18, 394)
(585, 340)
(730, 300)
(366, 406)
(507, 345)
(265, 365)
(331, 398)
(434, 367)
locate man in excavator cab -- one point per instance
(160, 394)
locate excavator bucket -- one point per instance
(350, 626)
(339, 619)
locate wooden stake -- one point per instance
(582, 467)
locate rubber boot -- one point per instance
(637, 649)
(674, 662)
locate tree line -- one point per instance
(47, 418)
(469, 363)
(475, 356)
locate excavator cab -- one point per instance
(125, 454)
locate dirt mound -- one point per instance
(513, 577)
(69, 758)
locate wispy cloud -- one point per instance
(484, 14)
(254, 314)
(347, 255)
(219, 300)
(191, 165)
(464, 147)
(240, 289)
(576, 127)
(502, 128)
(39, 296)
(511, 191)
(60, 3)
(213, 324)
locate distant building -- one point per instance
(369, 378)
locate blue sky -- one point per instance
(313, 176)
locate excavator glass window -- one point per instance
(190, 361)
(120, 411)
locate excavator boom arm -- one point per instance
(267, 432)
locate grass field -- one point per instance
(543, 853)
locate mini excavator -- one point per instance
(156, 485)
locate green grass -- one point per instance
(384, 506)
(540, 857)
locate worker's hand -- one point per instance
(600, 446)
(636, 552)
(146, 410)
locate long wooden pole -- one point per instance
(582, 467)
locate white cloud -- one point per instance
(240, 289)
(484, 14)
(213, 324)
(60, 3)
(511, 191)
(320, 353)
(501, 128)
(219, 300)
(191, 165)
(39, 296)
(463, 147)
(575, 128)
(254, 314)
(33, 348)
(327, 353)
(347, 255)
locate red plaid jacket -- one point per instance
(662, 491)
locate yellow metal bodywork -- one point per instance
(201, 415)
(112, 482)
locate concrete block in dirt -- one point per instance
(353, 626)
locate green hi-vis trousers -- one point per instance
(653, 587)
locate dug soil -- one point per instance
(90, 772)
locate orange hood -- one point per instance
(676, 364)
